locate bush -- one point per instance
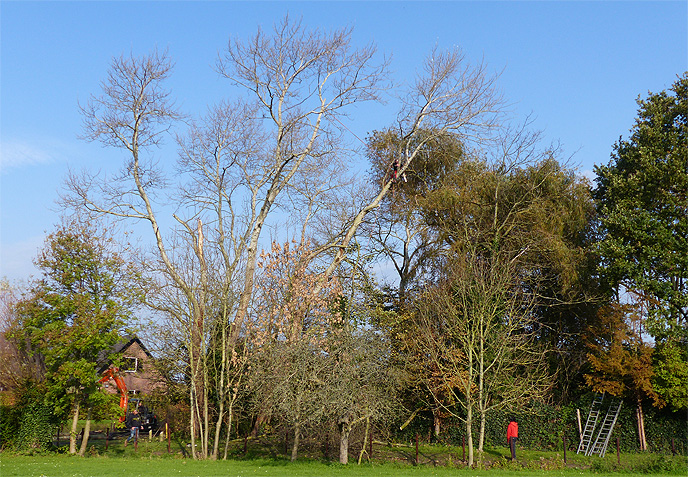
(10, 417)
(36, 428)
(29, 424)
(642, 464)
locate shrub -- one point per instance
(10, 417)
(36, 428)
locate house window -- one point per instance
(129, 364)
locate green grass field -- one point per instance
(61, 465)
(267, 457)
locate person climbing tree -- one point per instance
(396, 165)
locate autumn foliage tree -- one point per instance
(293, 328)
(620, 361)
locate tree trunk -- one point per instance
(437, 422)
(87, 432)
(230, 415)
(344, 431)
(218, 428)
(641, 426)
(192, 421)
(261, 419)
(72, 433)
(366, 436)
(295, 446)
(198, 376)
(469, 435)
(481, 436)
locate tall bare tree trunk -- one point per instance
(218, 427)
(469, 434)
(481, 436)
(230, 416)
(193, 416)
(641, 426)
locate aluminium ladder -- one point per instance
(590, 424)
(600, 446)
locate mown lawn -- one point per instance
(61, 465)
(264, 457)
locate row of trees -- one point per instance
(509, 266)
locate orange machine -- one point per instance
(113, 373)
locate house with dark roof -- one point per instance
(137, 369)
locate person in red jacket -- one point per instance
(511, 436)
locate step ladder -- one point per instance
(600, 446)
(590, 424)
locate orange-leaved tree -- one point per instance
(292, 327)
(620, 361)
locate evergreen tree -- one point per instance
(642, 199)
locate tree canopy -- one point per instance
(74, 315)
(642, 200)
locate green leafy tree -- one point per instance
(538, 216)
(398, 232)
(515, 228)
(642, 199)
(671, 374)
(73, 315)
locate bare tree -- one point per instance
(449, 97)
(291, 339)
(364, 384)
(237, 162)
(476, 330)
(302, 81)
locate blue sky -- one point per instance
(578, 67)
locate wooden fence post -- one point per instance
(564, 448)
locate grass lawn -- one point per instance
(61, 465)
(265, 457)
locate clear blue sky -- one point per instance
(577, 66)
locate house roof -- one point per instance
(120, 347)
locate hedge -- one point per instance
(542, 427)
